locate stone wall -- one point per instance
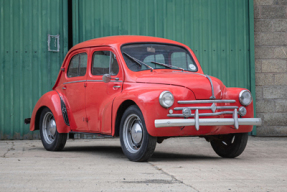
(270, 31)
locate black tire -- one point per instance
(51, 141)
(136, 147)
(229, 146)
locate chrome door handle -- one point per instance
(117, 86)
(64, 88)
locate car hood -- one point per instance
(196, 82)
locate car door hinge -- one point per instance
(85, 84)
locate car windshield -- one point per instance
(146, 56)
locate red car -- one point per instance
(144, 90)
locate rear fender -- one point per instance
(52, 101)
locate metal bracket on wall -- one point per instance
(54, 43)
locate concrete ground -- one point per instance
(178, 164)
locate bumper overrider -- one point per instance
(235, 121)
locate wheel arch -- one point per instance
(52, 101)
(37, 117)
(119, 114)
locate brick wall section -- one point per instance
(270, 36)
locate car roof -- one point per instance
(117, 41)
(120, 40)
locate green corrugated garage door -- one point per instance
(28, 69)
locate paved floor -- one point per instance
(178, 164)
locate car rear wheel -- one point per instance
(229, 146)
(136, 143)
(51, 139)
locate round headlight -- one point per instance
(166, 99)
(245, 97)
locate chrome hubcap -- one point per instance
(49, 128)
(136, 133)
(133, 133)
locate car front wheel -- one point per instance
(136, 143)
(51, 139)
(229, 146)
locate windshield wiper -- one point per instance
(138, 61)
(163, 64)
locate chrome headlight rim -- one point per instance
(161, 99)
(241, 98)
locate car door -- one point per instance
(74, 88)
(100, 95)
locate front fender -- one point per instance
(233, 93)
(146, 97)
(51, 100)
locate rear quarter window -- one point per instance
(78, 65)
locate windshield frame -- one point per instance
(170, 44)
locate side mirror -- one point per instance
(107, 78)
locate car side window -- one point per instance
(78, 65)
(104, 62)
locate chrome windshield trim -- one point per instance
(205, 101)
(75, 81)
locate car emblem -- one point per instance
(213, 107)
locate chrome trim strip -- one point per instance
(95, 81)
(178, 115)
(191, 108)
(201, 108)
(102, 81)
(215, 114)
(74, 81)
(227, 107)
(212, 89)
(205, 101)
(202, 114)
(207, 122)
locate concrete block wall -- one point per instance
(270, 36)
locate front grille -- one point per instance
(214, 109)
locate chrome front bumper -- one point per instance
(207, 122)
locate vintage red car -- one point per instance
(144, 90)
